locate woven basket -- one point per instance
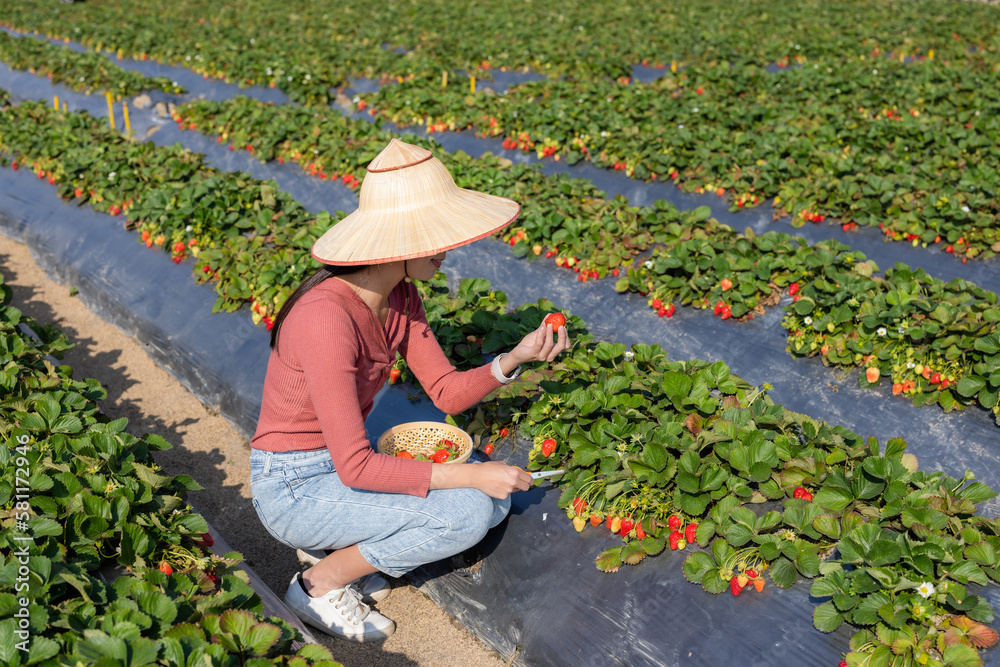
(422, 438)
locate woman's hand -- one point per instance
(494, 478)
(536, 346)
(498, 480)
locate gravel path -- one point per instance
(208, 448)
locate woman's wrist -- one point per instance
(506, 367)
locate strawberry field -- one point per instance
(827, 191)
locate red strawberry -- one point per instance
(503, 432)
(661, 312)
(691, 532)
(166, 569)
(488, 449)
(609, 521)
(639, 532)
(734, 586)
(726, 284)
(441, 455)
(751, 573)
(627, 525)
(798, 492)
(726, 312)
(595, 520)
(670, 310)
(212, 577)
(78, 192)
(579, 505)
(675, 540)
(897, 389)
(793, 289)
(548, 446)
(718, 307)
(206, 540)
(935, 378)
(394, 374)
(656, 304)
(674, 522)
(807, 496)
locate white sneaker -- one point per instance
(339, 612)
(373, 587)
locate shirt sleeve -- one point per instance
(325, 341)
(452, 391)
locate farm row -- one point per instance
(892, 125)
(935, 342)
(101, 558)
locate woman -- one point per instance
(317, 483)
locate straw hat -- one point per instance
(410, 207)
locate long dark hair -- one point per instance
(325, 272)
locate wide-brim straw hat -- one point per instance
(410, 207)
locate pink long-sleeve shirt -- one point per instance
(332, 357)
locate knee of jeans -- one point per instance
(473, 515)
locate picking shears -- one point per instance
(540, 475)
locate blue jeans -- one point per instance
(302, 502)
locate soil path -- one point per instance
(208, 448)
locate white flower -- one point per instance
(648, 263)
(603, 133)
(111, 176)
(880, 331)
(874, 71)
(925, 589)
(909, 364)
(82, 79)
(808, 320)
(680, 126)
(293, 268)
(629, 355)
(965, 208)
(188, 228)
(252, 40)
(187, 58)
(269, 71)
(695, 110)
(308, 77)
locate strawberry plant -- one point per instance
(108, 558)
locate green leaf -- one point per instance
(696, 565)
(982, 553)
(262, 637)
(828, 524)
(610, 560)
(826, 618)
(970, 385)
(783, 572)
(961, 655)
(833, 498)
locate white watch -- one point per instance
(498, 374)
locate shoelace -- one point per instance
(350, 605)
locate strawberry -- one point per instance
(793, 289)
(616, 524)
(807, 496)
(758, 584)
(608, 523)
(674, 522)
(557, 320)
(676, 539)
(79, 193)
(872, 375)
(206, 540)
(579, 505)
(935, 378)
(548, 446)
(441, 455)
(656, 304)
(166, 569)
(718, 307)
(691, 532)
(726, 284)
(662, 312)
(897, 389)
(403, 454)
(734, 586)
(751, 573)
(945, 382)
(842, 663)
(595, 520)
(742, 579)
(578, 523)
(211, 576)
(503, 432)
(640, 533)
(488, 449)
(726, 313)
(823, 350)
(394, 374)
(799, 492)
(627, 525)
